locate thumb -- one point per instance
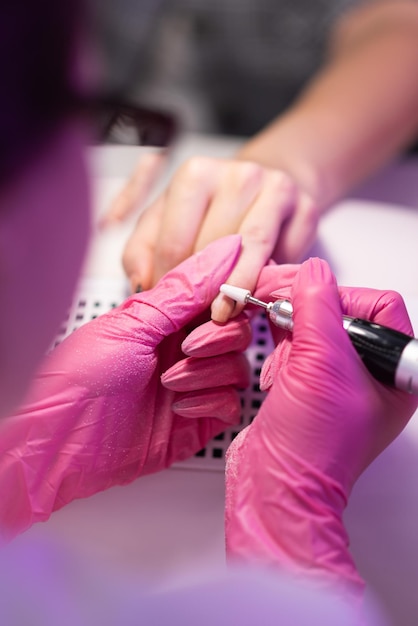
(188, 289)
(319, 345)
(317, 313)
(275, 281)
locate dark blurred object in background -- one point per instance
(37, 48)
(227, 66)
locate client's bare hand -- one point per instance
(208, 198)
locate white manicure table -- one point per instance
(164, 527)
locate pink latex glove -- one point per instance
(325, 418)
(97, 414)
(216, 352)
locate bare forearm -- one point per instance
(357, 113)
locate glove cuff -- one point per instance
(291, 518)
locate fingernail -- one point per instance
(177, 377)
(209, 404)
(222, 308)
(138, 289)
(190, 407)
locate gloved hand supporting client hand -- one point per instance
(97, 414)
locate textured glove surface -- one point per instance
(97, 414)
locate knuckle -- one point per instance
(395, 311)
(395, 300)
(256, 234)
(281, 183)
(194, 170)
(244, 176)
